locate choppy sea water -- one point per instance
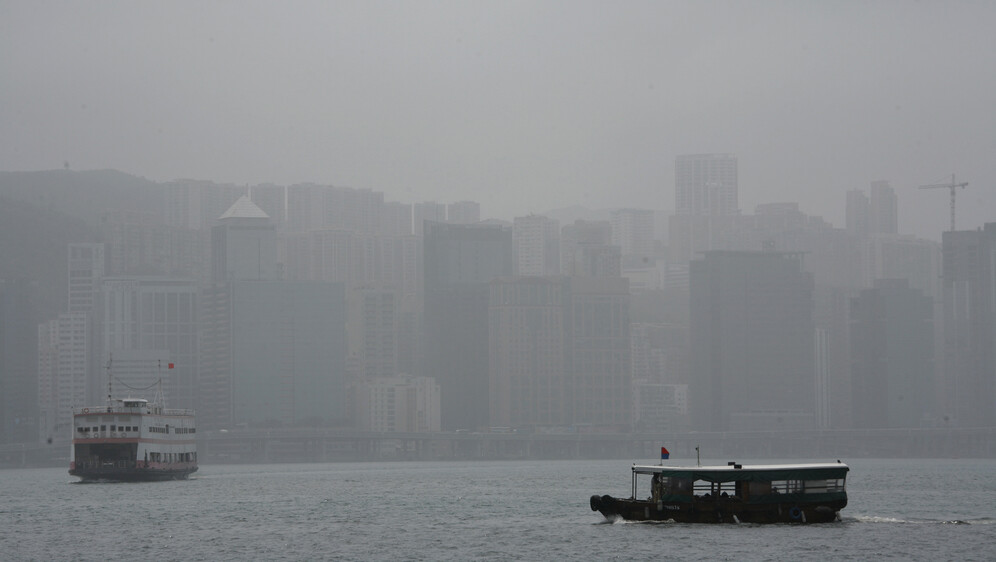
(522, 510)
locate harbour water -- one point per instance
(925, 509)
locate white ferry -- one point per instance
(131, 439)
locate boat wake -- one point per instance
(897, 520)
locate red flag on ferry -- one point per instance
(665, 454)
(170, 366)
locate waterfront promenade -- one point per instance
(334, 445)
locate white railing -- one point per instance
(146, 410)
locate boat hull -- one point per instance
(723, 511)
(132, 473)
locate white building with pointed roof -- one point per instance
(244, 245)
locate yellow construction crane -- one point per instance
(953, 187)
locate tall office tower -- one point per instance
(143, 324)
(427, 211)
(706, 185)
(892, 355)
(87, 265)
(272, 200)
(883, 209)
(244, 245)
(969, 372)
(396, 219)
(459, 264)
(633, 231)
(537, 245)
(856, 213)
(305, 207)
(272, 353)
(463, 212)
(18, 361)
(528, 352)
(599, 365)
(559, 352)
(752, 342)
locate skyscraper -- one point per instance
(884, 214)
(537, 245)
(706, 185)
(633, 231)
(892, 355)
(18, 361)
(752, 342)
(244, 245)
(460, 263)
(969, 373)
(271, 351)
(529, 382)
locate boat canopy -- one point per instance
(749, 473)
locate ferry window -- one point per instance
(103, 428)
(816, 486)
(787, 486)
(114, 428)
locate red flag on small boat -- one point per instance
(665, 454)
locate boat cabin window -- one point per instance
(708, 490)
(819, 486)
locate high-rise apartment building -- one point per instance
(145, 323)
(64, 359)
(706, 185)
(463, 212)
(427, 211)
(401, 403)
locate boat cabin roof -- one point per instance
(756, 472)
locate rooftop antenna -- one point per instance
(159, 401)
(110, 378)
(953, 187)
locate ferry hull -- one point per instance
(130, 473)
(726, 511)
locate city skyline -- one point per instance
(520, 106)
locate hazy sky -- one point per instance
(523, 106)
